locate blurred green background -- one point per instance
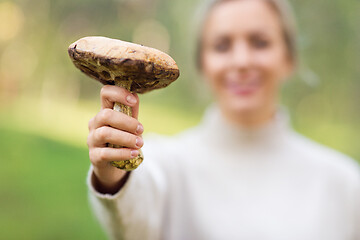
(45, 103)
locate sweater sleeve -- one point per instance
(354, 200)
(136, 210)
(357, 221)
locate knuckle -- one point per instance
(120, 90)
(89, 140)
(121, 153)
(104, 90)
(91, 123)
(105, 114)
(130, 140)
(102, 154)
(102, 133)
(92, 156)
(126, 154)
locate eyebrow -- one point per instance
(261, 33)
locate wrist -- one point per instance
(109, 182)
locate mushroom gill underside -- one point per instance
(145, 76)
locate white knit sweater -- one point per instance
(216, 181)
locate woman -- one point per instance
(242, 173)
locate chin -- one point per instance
(245, 108)
(243, 105)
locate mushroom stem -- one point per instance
(121, 107)
(133, 163)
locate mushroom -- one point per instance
(134, 67)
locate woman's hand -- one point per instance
(109, 126)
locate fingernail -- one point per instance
(134, 153)
(131, 99)
(139, 142)
(139, 129)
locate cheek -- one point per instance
(213, 67)
(273, 65)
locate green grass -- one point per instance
(43, 194)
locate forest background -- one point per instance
(45, 102)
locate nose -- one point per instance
(241, 56)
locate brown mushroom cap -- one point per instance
(107, 60)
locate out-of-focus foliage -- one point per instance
(42, 94)
(42, 191)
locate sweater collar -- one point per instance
(220, 131)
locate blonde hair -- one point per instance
(281, 7)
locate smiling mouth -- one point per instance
(243, 88)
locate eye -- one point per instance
(259, 42)
(222, 45)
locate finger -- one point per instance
(105, 134)
(135, 109)
(91, 124)
(100, 156)
(118, 120)
(110, 94)
(90, 140)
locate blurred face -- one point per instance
(244, 58)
